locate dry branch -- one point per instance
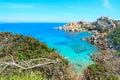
(26, 64)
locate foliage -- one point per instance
(26, 76)
(98, 72)
(25, 48)
(118, 53)
(96, 67)
(22, 47)
(114, 36)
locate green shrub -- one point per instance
(26, 48)
(98, 72)
(97, 67)
(118, 53)
(114, 36)
(26, 76)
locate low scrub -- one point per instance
(18, 48)
(98, 72)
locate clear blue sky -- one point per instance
(57, 10)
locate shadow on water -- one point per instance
(80, 50)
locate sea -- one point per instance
(69, 44)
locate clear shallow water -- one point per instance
(68, 44)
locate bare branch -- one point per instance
(3, 69)
(26, 64)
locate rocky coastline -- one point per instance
(100, 28)
(108, 59)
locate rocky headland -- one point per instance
(100, 25)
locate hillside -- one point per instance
(23, 55)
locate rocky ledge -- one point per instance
(100, 41)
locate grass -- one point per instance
(26, 76)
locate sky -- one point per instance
(57, 10)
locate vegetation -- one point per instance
(26, 76)
(115, 36)
(24, 48)
(118, 53)
(98, 72)
(106, 65)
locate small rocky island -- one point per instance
(107, 37)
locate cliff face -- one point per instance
(101, 24)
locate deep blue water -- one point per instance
(68, 44)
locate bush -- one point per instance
(118, 53)
(26, 48)
(98, 72)
(114, 36)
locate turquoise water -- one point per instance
(68, 44)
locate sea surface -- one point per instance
(68, 44)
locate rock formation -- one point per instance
(101, 24)
(104, 23)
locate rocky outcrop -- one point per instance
(117, 22)
(102, 24)
(100, 41)
(74, 27)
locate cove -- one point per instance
(68, 44)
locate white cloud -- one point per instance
(107, 4)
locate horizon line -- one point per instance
(34, 22)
